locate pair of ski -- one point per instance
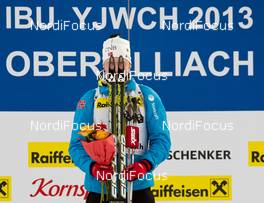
(124, 118)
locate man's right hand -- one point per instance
(102, 172)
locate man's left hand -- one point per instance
(137, 170)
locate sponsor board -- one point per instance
(48, 188)
(5, 188)
(179, 188)
(49, 154)
(200, 155)
(256, 153)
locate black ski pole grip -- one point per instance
(121, 64)
(111, 69)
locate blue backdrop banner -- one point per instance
(197, 55)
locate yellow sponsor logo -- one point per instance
(256, 153)
(106, 102)
(193, 188)
(49, 154)
(102, 103)
(5, 188)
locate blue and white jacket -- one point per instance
(154, 135)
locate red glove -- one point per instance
(102, 172)
(137, 170)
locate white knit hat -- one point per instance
(116, 47)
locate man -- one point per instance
(154, 137)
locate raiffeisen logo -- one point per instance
(5, 188)
(105, 102)
(179, 188)
(102, 103)
(47, 188)
(49, 154)
(256, 153)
